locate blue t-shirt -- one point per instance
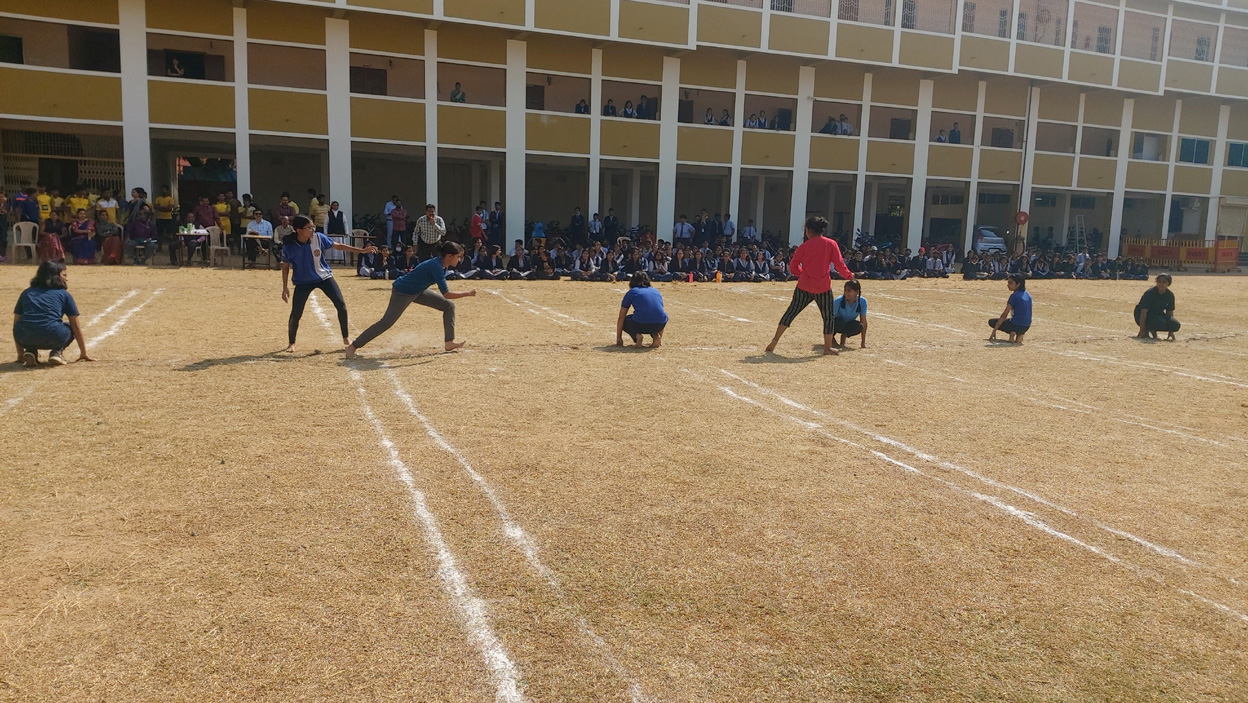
(647, 304)
(1020, 303)
(845, 312)
(426, 274)
(307, 260)
(42, 308)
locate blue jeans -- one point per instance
(32, 339)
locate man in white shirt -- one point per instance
(730, 228)
(749, 233)
(390, 206)
(595, 228)
(258, 226)
(682, 231)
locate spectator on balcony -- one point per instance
(710, 116)
(955, 134)
(628, 110)
(608, 110)
(831, 126)
(644, 109)
(457, 94)
(725, 120)
(941, 138)
(582, 108)
(847, 129)
(762, 119)
(752, 122)
(174, 69)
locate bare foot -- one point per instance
(290, 349)
(772, 347)
(639, 344)
(658, 342)
(350, 351)
(452, 346)
(829, 351)
(346, 342)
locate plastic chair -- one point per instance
(217, 243)
(24, 237)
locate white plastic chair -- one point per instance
(24, 237)
(216, 243)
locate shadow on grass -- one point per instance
(392, 361)
(625, 349)
(279, 355)
(774, 358)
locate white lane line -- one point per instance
(543, 308)
(1146, 366)
(526, 308)
(1027, 518)
(123, 319)
(707, 311)
(112, 307)
(517, 535)
(471, 608)
(1158, 549)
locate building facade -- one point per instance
(1100, 118)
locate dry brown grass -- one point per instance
(195, 517)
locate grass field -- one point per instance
(544, 517)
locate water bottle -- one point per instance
(719, 276)
(691, 276)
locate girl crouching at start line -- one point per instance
(1020, 304)
(648, 316)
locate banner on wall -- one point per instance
(1221, 255)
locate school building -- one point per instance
(1106, 117)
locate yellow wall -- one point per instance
(1059, 102)
(653, 23)
(1139, 75)
(709, 67)
(631, 61)
(772, 74)
(945, 161)
(199, 16)
(104, 11)
(1200, 116)
(282, 111)
(1182, 75)
(418, 6)
(1053, 170)
(198, 103)
(1153, 114)
(801, 35)
(1000, 164)
(767, 149)
(472, 126)
(583, 16)
(890, 157)
(1038, 60)
(1239, 122)
(1103, 108)
(372, 118)
(729, 25)
(630, 138)
(284, 22)
(858, 43)
(704, 144)
(562, 133)
(1235, 182)
(500, 11)
(92, 97)
(926, 50)
(841, 81)
(958, 93)
(465, 42)
(1097, 172)
(1233, 81)
(985, 53)
(1006, 97)
(570, 55)
(895, 87)
(1192, 179)
(1091, 69)
(835, 153)
(400, 35)
(1142, 175)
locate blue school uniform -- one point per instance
(1020, 303)
(428, 273)
(647, 304)
(307, 260)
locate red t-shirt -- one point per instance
(813, 262)
(478, 227)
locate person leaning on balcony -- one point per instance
(608, 110)
(458, 95)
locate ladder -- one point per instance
(1078, 236)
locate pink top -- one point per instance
(813, 262)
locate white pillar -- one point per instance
(738, 131)
(860, 183)
(475, 186)
(760, 199)
(917, 211)
(517, 68)
(242, 106)
(1171, 158)
(1066, 219)
(972, 191)
(338, 73)
(668, 130)
(801, 153)
(595, 133)
(1120, 179)
(873, 199)
(634, 207)
(1029, 156)
(431, 116)
(496, 185)
(1215, 183)
(135, 134)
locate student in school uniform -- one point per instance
(583, 267)
(742, 267)
(304, 253)
(417, 287)
(519, 265)
(490, 265)
(761, 269)
(38, 318)
(1155, 311)
(849, 313)
(648, 318)
(1020, 305)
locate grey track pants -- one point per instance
(399, 302)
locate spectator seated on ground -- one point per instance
(490, 266)
(376, 266)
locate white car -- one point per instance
(987, 240)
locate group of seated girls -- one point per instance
(1047, 265)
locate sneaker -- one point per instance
(57, 359)
(29, 360)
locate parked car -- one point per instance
(987, 240)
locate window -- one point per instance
(1194, 151)
(368, 81)
(994, 198)
(1002, 138)
(888, 12)
(847, 10)
(1003, 24)
(1237, 155)
(948, 199)
(93, 49)
(782, 5)
(11, 50)
(1202, 48)
(1104, 39)
(1155, 46)
(1082, 202)
(1045, 200)
(1022, 26)
(968, 16)
(908, 13)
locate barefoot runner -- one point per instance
(812, 263)
(304, 251)
(414, 287)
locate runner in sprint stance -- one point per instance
(415, 287)
(304, 251)
(813, 262)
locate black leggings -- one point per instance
(302, 290)
(801, 299)
(851, 328)
(1008, 326)
(1158, 322)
